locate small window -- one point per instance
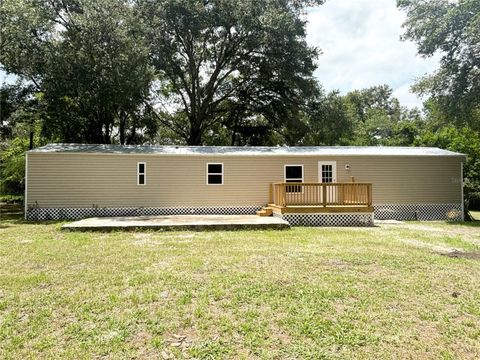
(327, 173)
(294, 173)
(141, 173)
(215, 174)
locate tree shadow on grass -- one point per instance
(8, 220)
(475, 223)
(11, 215)
(6, 223)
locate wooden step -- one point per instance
(265, 212)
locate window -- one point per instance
(215, 174)
(294, 173)
(327, 173)
(141, 173)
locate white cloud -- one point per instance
(361, 47)
(6, 79)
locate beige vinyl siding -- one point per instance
(110, 180)
(407, 180)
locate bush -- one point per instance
(13, 167)
(11, 199)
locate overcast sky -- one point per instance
(360, 41)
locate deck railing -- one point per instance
(321, 194)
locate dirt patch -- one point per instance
(462, 255)
(468, 234)
(24, 241)
(441, 249)
(445, 250)
(145, 239)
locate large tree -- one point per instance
(221, 62)
(328, 120)
(379, 119)
(88, 62)
(451, 29)
(19, 109)
(19, 131)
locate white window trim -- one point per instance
(222, 173)
(144, 173)
(285, 172)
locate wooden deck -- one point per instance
(305, 198)
(312, 209)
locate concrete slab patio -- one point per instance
(178, 222)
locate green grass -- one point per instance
(475, 214)
(383, 292)
(11, 198)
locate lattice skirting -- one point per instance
(426, 212)
(330, 219)
(451, 212)
(79, 213)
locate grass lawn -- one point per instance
(475, 214)
(385, 292)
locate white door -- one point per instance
(327, 173)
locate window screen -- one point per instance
(141, 173)
(327, 173)
(214, 174)
(294, 173)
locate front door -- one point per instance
(327, 173)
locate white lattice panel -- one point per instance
(338, 219)
(79, 213)
(427, 212)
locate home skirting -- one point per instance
(328, 219)
(79, 213)
(426, 212)
(452, 212)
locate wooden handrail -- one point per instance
(322, 194)
(314, 183)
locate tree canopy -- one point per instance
(88, 61)
(451, 29)
(116, 70)
(221, 62)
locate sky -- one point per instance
(361, 47)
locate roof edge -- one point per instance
(182, 150)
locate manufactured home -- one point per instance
(304, 185)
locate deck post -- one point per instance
(369, 194)
(324, 195)
(270, 194)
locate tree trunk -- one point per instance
(195, 136)
(30, 146)
(234, 128)
(131, 137)
(121, 127)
